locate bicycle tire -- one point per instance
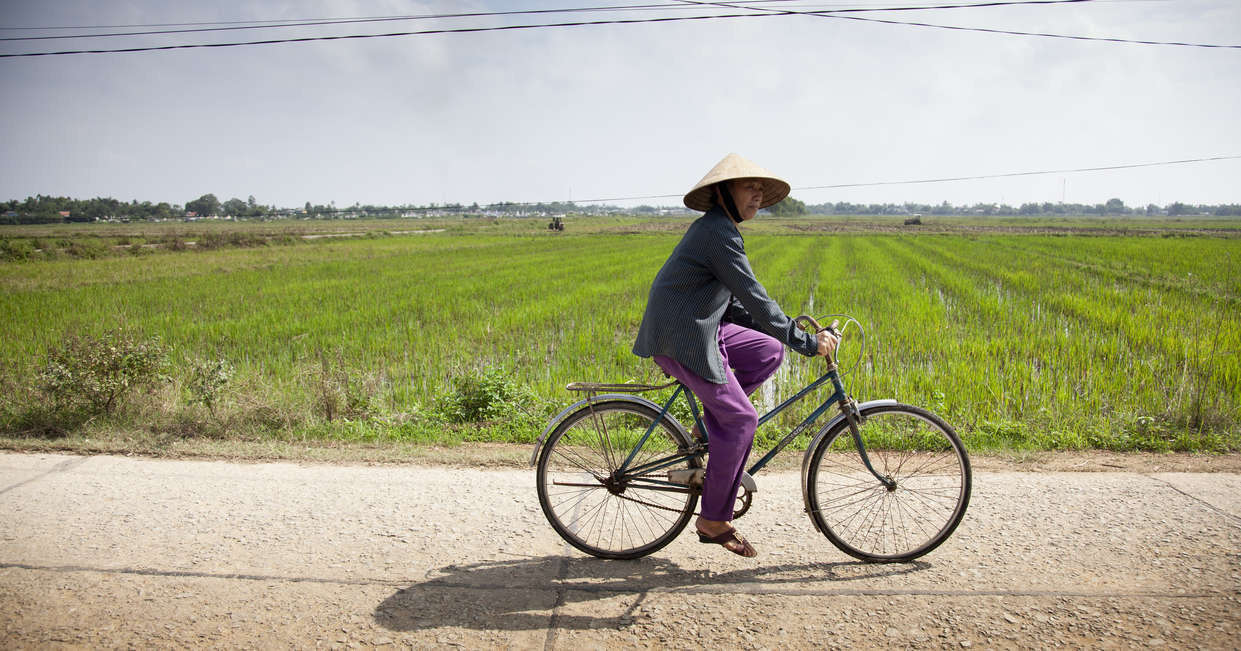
(864, 518)
(584, 504)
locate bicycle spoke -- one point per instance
(580, 462)
(927, 503)
(574, 499)
(601, 511)
(917, 521)
(865, 519)
(586, 518)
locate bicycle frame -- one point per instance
(847, 406)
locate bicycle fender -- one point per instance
(607, 397)
(805, 460)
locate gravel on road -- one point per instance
(117, 551)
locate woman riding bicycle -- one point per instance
(710, 324)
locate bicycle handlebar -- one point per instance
(810, 321)
(810, 324)
(818, 328)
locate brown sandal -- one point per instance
(731, 536)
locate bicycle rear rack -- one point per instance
(595, 387)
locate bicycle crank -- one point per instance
(744, 497)
(693, 478)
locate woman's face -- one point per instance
(748, 195)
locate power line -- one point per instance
(1007, 32)
(796, 189)
(309, 22)
(295, 22)
(462, 30)
(316, 22)
(631, 21)
(949, 179)
(1039, 34)
(1012, 174)
(971, 5)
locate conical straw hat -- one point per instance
(775, 189)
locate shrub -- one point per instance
(241, 407)
(340, 392)
(208, 379)
(98, 372)
(85, 248)
(237, 239)
(15, 250)
(485, 396)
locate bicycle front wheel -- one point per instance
(601, 509)
(915, 511)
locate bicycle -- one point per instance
(619, 478)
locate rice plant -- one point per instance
(1018, 340)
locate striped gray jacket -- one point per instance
(706, 280)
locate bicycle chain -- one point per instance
(658, 506)
(736, 514)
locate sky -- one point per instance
(617, 111)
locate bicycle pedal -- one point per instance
(691, 477)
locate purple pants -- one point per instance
(750, 357)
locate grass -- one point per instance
(1025, 335)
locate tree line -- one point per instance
(1111, 207)
(42, 209)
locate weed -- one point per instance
(208, 241)
(208, 379)
(15, 250)
(490, 405)
(83, 248)
(97, 373)
(483, 396)
(341, 393)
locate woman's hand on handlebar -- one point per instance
(828, 337)
(828, 340)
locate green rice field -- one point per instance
(1022, 335)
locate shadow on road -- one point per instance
(520, 594)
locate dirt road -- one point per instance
(115, 551)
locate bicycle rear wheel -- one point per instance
(594, 506)
(875, 522)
